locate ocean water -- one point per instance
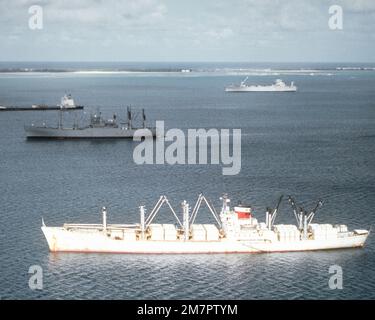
(318, 143)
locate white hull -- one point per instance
(260, 89)
(278, 86)
(62, 240)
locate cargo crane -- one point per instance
(272, 213)
(303, 218)
(188, 219)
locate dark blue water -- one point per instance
(317, 143)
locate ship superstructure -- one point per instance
(67, 102)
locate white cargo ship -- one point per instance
(236, 231)
(278, 86)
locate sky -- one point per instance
(194, 30)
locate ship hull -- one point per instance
(62, 240)
(260, 89)
(33, 132)
(39, 108)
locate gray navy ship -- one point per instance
(66, 102)
(98, 127)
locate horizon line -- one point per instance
(179, 61)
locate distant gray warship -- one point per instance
(67, 103)
(97, 128)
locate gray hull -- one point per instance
(33, 132)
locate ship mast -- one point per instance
(143, 118)
(142, 213)
(129, 113)
(60, 119)
(104, 213)
(186, 223)
(226, 202)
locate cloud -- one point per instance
(110, 12)
(175, 30)
(220, 34)
(357, 6)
